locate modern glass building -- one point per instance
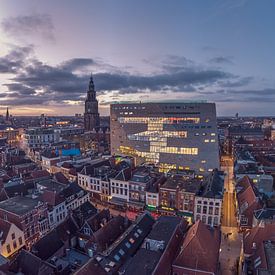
(172, 135)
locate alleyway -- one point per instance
(231, 239)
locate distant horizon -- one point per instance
(218, 116)
(3, 113)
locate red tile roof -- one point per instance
(52, 198)
(243, 183)
(107, 234)
(73, 172)
(257, 235)
(200, 249)
(248, 200)
(59, 177)
(66, 165)
(40, 174)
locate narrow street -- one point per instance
(228, 219)
(231, 239)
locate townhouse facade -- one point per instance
(208, 203)
(11, 238)
(28, 214)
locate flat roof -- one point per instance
(163, 228)
(19, 205)
(185, 183)
(52, 185)
(171, 101)
(144, 262)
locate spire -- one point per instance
(7, 114)
(91, 84)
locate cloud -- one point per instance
(244, 95)
(259, 93)
(34, 82)
(166, 81)
(77, 63)
(237, 82)
(15, 59)
(221, 60)
(28, 25)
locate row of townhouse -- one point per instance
(61, 198)
(28, 218)
(143, 187)
(121, 184)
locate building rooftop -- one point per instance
(200, 249)
(171, 101)
(90, 169)
(47, 246)
(265, 214)
(245, 130)
(144, 262)
(27, 263)
(256, 236)
(107, 234)
(19, 205)
(50, 185)
(163, 228)
(127, 244)
(269, 248)
(184, 183)
(154, 246)
(213, 185)
(72, 189)
(141, 175)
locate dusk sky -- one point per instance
(220, 51)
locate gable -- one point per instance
(86, 229)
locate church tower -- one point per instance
(91, 115)
(7, 114)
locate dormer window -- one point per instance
(86, 230)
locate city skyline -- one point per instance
(220, 51)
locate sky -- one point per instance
(150, 50)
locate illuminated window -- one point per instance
(206, 140)
(159, 120)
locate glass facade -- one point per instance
(176, 135)
(157, 137)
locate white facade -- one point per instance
(119, 189)
(208, 210)
(73, 203)
(13, 241)
(88, 183)
(57, 215)
(83, 181)
(40, 137)
(47, 163)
